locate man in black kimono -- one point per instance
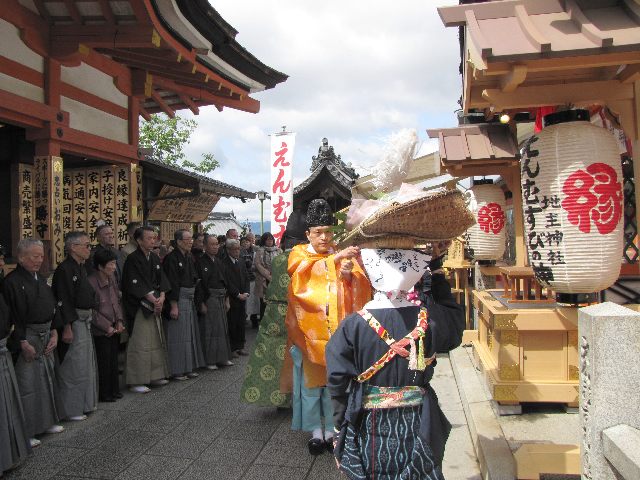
(180, 320)
(210, 295)
(197, 249)
(143, 292)
(77, 372)
(238, 291)
(34, 339)
(14, 444)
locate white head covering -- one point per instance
(393, 273)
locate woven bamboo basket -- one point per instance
(432, 218)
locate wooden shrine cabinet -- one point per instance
(528, 353)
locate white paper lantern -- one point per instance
(487, 236)
(572, 203)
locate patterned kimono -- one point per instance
(388, 422)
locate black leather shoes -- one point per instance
(329, 445)
(316, 446)
(117, 395)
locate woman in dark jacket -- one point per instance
(107, 324)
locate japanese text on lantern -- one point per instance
(491, 218)
(25, 202)
(542, 216)
(281, 188)
(57, 233)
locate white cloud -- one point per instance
(358, 71)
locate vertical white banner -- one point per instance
(281, 190)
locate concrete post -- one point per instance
(609, 342)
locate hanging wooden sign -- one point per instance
(136, 193)
(107, 195)
(67, 202)
(122, 205)
(25, 201)
(42, 196)
(79, 185)
(56, 228)
(185, 209)
(93, 201)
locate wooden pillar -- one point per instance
(48, 202)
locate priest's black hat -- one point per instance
(319, 213)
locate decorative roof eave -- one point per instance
(481, 147)
(129, 35)
(515, 57)
(169, 12)
(180, 177)
(222, 36)
(342, 183)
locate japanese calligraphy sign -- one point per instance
(136, 193)
(25, 200)
(572, 207)
(42, 177)
(168, 228)
(488, 236)
(67, 202)
(122, 205)
(108, 195)
(183, 209)
(56, 227)
(79, 199)
(281, 190)
(94, 176)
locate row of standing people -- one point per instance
(59, 345)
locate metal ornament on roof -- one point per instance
(572, 205)
(487, 236)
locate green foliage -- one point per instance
(168, 137)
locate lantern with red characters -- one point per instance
(572, 203)
(487, 236)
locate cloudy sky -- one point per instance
(358, 71)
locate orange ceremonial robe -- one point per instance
(319, 299)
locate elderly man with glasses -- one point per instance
(184, 347)
(77, 372)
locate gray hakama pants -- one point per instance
(146, 351)
(14, 443)
(214, 330)
(184, 348)
(77, 374)
(36, 382)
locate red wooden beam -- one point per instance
(52, 83)
(42, 10)
(189, 103)
(162, 104)
(144, 114)
(31, 108)
(94, 101)
(21, 72)
(140, 11)
(72, 8)
(107, 13)
(34, 31)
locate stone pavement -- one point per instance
(199, 429)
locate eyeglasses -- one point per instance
(85, 245)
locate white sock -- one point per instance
(317, 433)
(328, 435)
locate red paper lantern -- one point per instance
(487, 236)
(572, 204)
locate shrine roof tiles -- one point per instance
(183, 177)
(476, 143)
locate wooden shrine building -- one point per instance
(75, 78)
(330, 179)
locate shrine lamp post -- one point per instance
(262, 196)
